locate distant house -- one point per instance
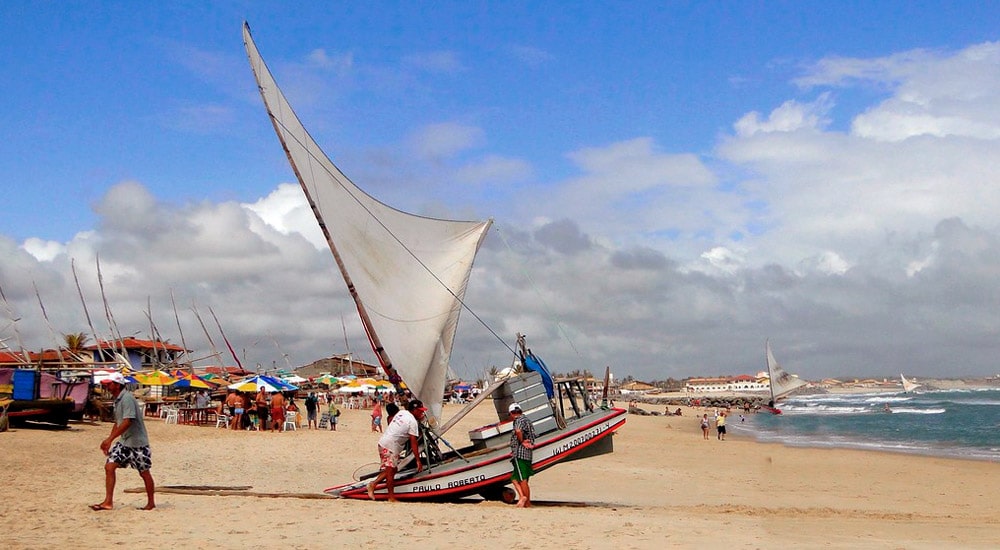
(339, 365)
(12, 359)
(225, 372)
(728, 384)
(141, 354)
(636, 387)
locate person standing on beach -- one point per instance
(132, 450)
(377, 416)
(262, 406)
(231, 399)
(405, 425)
(720, 426)
(277, 411)
(312, 405)
(704, 425)
(522, 441)
(334, 413)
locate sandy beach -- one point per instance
(664, 486)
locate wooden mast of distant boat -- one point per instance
(24, 359)
(177, 319)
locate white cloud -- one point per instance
(286, 211)
(789, 117)
(493, 168)
(932, 93)
(855, 251)
(43, 251)
(444, 140)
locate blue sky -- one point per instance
(767, 162)
(101, 92)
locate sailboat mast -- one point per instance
(224, 339)
(183, 342)
(383, 356)
(770, 373)
(211, 343)
(13, 322)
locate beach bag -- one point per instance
(336, 412)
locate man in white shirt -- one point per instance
(402, 426)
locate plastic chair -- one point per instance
(171, 417)
(222, 421)
(290, 421)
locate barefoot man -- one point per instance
(132, 450)
(404, 425)
(522, 441)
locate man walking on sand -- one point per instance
(132, 450)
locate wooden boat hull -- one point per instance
(49, 411)
(488, 472)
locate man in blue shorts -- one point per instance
(132, 450)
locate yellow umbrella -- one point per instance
(155, 378)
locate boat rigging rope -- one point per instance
(334, 177)
(541, 297)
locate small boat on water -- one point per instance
(407, 275)
(908, 385)
(781, 382)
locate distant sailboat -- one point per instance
(781, 382)
(908, 385)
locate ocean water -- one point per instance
(954, 423)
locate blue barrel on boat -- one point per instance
(25, 385)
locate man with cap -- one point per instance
(404, 425)
(522, 441)
(132, 450)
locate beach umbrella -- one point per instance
(155, 378)
(294, 379)
(259, 381)
(100, 375)
(328, 380)
(193, 381)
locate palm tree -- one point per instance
(75, 342)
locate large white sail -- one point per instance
(409, 272)
(782, 383)
(908, 386)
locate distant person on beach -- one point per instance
(132, 450)
(334, 414)
(405, 425)
(231, 398)
(262, 406)
(522, 441)
(312, 405)
(240, 408)
(704, 425)
(277, 411)
(377, 416)
(720, 426)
